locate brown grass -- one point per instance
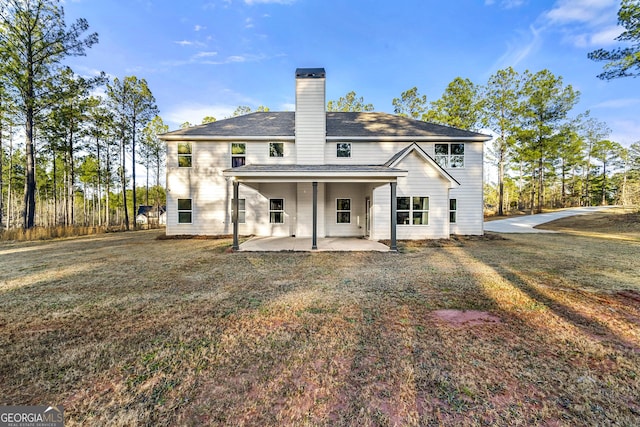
(50, 233)
(125, 329)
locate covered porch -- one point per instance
(309, 217)
(303, 244)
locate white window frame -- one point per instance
(183, 210)
(271, 144)
(343, 211)
(242, 210)
(343, 147)
(272, 211)
(449, 160)
(242, 155)
(453, 211)
(412, 210)
(188, 155)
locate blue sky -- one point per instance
(207, 57)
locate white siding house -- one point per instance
(312, 173)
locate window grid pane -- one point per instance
(276, 149)
(184, 161)
(403, 203)
(420, 218)
(343, 150)
(343, 218)
(241, 210)
(276, 211)
(184, 148)
(238, 148)
(403, 218)
(184, 204)
(237, 162)
(412, 210)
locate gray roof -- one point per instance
(310, 73)
(314, 168)
(339, 124)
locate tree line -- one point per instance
(69, 144)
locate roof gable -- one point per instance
(415, 148)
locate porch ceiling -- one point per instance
(315, 173)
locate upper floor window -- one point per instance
(276, 149)
(343, 209)
(184, 154)
(412, 210)
(450, 155)
(238, 152)
(343, 149)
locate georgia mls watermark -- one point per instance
(32, 416)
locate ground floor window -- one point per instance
(453, 210)
(242, 213)
(276, 211)
(412, 210)
(185, 211)
(343, 211)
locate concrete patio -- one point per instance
(299, 244)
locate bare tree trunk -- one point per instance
(1, 181)
(29, 212)
(123, 179)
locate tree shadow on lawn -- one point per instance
(571, 332)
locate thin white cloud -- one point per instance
(606, 36)
(520, 49)
(189, 43)
(580, 11)
(205, 58)
(626, 131)
(197, 28)
(618, 103)
(506, 4)
(205, 54)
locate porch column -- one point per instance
(394, 219)
(234, 218)
(314, 239)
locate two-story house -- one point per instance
(313, 173)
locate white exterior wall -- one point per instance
(211, 193)
(258, 153)
(423, 180)
(311, 123)
(204, 184)
(470, 194)
(364, 153)
(304, 226)
(357, 193)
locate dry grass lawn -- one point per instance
(125, 329)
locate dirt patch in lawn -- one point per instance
(466, 317)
